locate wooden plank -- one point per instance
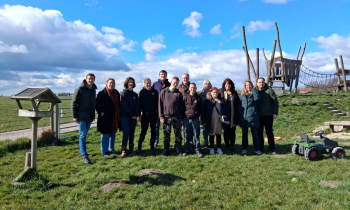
(279, 46)
(246, 52)
(302, 55)
(344, 77)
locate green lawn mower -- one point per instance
(312, 151)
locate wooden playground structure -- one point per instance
(279, 69)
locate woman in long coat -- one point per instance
(249, 117)
(108, 109)
(213, 108)
(229, 94)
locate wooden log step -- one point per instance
(276, 80)
(339, 114)
(332, 108)
(335, 111)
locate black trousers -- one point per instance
(218, 141)
(267, 123)
(230, 137)
(146, 120)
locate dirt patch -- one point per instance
(299, 173)
(279, 156)
(150, 172)
(332, 135)
(110, 186)
(331, 184)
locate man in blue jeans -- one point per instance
(83, 111)
(160, 85)
(193, 109)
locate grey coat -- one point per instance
(84, 102)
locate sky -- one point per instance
(56, 43)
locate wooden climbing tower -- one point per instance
(279, 70)
(342, 72)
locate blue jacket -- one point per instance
(159, 85)
(249, 117)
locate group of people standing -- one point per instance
(176, 106)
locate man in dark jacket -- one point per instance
(160, 85)
(171, 112)
(203, 94)
(193, 110)
(149, 108)
(268, 111)
(83, 111)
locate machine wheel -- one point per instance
(338, 152)
(312, 154)
(295, 149)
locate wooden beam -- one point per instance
(279, 47)
(264, 54)
(246, 52)
(271, 62)
(298, 53)
(337, 69)
(342, 69)
(301, 58)
(251, 64)
(257, 64)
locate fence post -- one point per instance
(56, 120)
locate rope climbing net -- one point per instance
(317, 80)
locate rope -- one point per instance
(317, 80)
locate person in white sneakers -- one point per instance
(213, 109)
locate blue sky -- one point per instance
(55, 43)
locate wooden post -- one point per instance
(27, 161)
(257, 64)
(246, 52)
(56, 121)
(298, 53)
(337, 69)
(34, 141)
(343, 72)
(280, 49)
(271, 62)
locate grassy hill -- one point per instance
(229, 181)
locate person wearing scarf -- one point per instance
(108, 109)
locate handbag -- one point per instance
(223, 118)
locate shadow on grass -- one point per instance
(10, 146)
(156, 179)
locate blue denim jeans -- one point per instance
(107, 141)
(192, 129)
(205, 137)
(157, 132)
(84, 127)
(128, 127)
(255, 135)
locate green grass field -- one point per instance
(229, 181)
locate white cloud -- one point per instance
(334, 44)
(150, 46)
(192, 24)
(92, 2)
(259, 26)
(216, 29)
(150, 57)
(235, 35)
(235, 28)
(40, 41)
(12, 49)
(276, 1)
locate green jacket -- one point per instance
(268, 104)
(84, 102)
